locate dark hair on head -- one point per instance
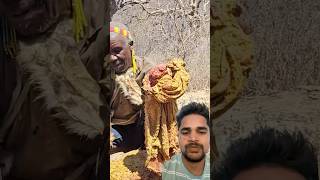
(269, 147)
(193, 108)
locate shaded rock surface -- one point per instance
(292, 110)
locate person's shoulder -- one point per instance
(170, 167)
(207, 160)
(206, 173)
(208, 156)
(172, 162)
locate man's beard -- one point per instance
(129, 87)
(192, 159)
(119, 66)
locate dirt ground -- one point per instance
(202, 96)
(130, 166)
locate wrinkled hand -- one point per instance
(156, 73)
(116, 143)
(115, 138)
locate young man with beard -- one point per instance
(194, 140)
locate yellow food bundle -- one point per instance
(172, 81)
(163, 85)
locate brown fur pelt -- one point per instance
(129, 87)
(67, 88)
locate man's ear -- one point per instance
(131, 43)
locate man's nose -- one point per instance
(193, 136)
(113, 57)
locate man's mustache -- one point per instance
(190, 145)
(118, 61)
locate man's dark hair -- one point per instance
(269, 147)
(193, 108)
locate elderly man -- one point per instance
(127, 73)
(194, 140)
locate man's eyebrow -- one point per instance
(185, 129)
(198, 128)
(202, 128)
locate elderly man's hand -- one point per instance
(115, 138)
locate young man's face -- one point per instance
(120, 54)
(266, 173)
(194, 137)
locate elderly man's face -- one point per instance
(120, 54)
(194, 137)
(266, 173)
